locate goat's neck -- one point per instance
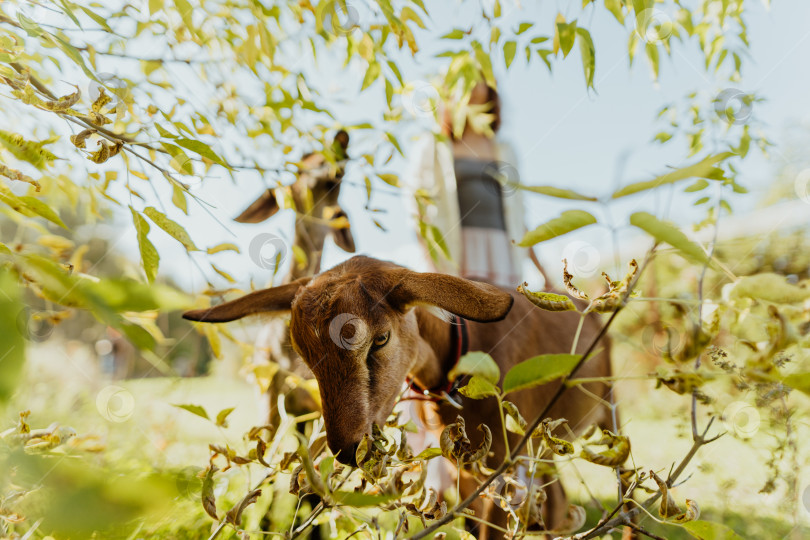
(435, 356)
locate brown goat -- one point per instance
(314, 197)
(366, 325)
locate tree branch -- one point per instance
(625, 518)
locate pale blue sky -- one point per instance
(563, 135)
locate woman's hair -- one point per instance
(446, 120)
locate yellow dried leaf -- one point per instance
(31, 151)
(63, 103)
(668, 507)
(102, 154)
(14, 174)
(546, 300)
(569, 285)
(560, 447)
(79, 139)
(56, 243)
(692, 512)
(101, 100)
(618, 450)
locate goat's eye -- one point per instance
(381, 340)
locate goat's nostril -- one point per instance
(347, 455)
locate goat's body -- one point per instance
(524, 333)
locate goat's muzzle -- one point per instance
(347, 455)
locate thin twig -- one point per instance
(698, 326)
(218, 530)
(644, 532)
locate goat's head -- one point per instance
(355, 328)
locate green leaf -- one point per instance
(31, 27)
(227, 246)
(547, 300)
(539, 370)
(476, 363)
(653, 57)
(352, 498)
(130, 295)
(326, 467)
(667, 232)
(552, 191)
(699, 185)
(193, 409)
(185, 10)
(11, 310)
(34, 152)
(478, 388)
(173, 228)
(372, 73)
(616, 7)
(101, 21)
(180, 160)
(454, 34)
(485, 63)
(798, 381)
(222, 416)
(142, 339)
(509, 49)
(662, 137)
(707, 530)
(179, 198)
(705, 168)
(72, 53)
(149, 255)
(429, 453)
(570, 220)
(393, 140)
(769, 287)
(43, 210)
(523, 27)
(389, 92)
(588, 53)
(164, 132)
(201, 148)
(390, 179)
(544, 54)
(566, 35)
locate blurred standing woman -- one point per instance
(472, 206)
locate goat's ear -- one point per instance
(276, 299)
(343, 237)
(262, 208)
(473, 300)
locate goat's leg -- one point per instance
(555, 509)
